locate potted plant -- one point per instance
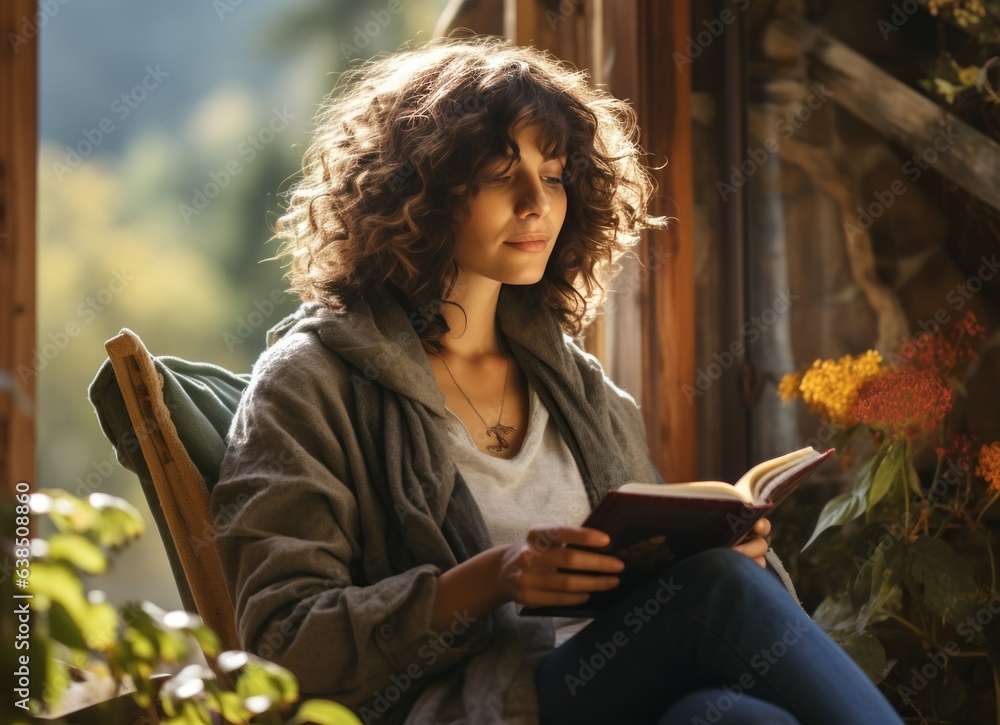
(920, 608)
(72, 645)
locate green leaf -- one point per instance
(910, 474)
(260, 677)
(177, 619)
(101, 626)
(255, 681)
(187, 686)
(119, 521)
(258, 704)
(63, 628)
(171, 643)
(195, 713)
(57, 581)
(959, 386)
(324, 712)
(79, 551)
(834, 613)
(173, 646)
(948, 694)
(946, 89)
(846, 506)
(288, 686)
(232, 660)
(207, 640)
(838, 510)
(139, 644)
(57, 679)
(140, 671)
(941, 579)
(866, 650)
(231, 707)
(885, 585)
(888, 472)
(182, 623)
(68, 513)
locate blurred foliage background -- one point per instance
(143, 108)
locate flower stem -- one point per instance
(906, 484)
(910, 625)
(996, 691)
(934, 480)
(993, 564)
(987, 506)
(937, 534)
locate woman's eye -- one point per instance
(550, 180)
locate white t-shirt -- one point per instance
(541, 484)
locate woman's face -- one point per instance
(527, 202)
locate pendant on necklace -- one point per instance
(497, 430)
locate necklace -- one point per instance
(497, 429)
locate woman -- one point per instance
(421, 439)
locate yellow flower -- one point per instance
(989, 465)
(788, 388)
(968, 75)
(830, 387)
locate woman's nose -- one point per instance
(533, 199)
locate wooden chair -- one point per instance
(178, 412)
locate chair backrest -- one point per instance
(179, 413)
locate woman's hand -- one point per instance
(528, 569)
(756, 547)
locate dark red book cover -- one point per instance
(650, 532)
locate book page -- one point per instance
(768, 488)
(754, 487)
(757, 478)
(694, 489)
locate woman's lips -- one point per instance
(536, 246)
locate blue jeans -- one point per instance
(714, 639)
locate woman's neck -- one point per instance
(473, 337)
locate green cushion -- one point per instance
(202, 400)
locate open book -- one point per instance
(654, 525)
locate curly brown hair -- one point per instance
(404, 144)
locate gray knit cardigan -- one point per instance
(337, 507)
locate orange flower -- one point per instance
(989, 465)
(943, 351)
(904, 402)
(960, 450)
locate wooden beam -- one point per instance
(651, 335)
(669, 313)
(961, 153)
(620, 336)
(18, 148)
(520, 20)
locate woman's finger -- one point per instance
(762, 527)
(755, 548)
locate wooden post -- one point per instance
(646, 340)
(18, 148)
(669, 316)
(520, 21)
